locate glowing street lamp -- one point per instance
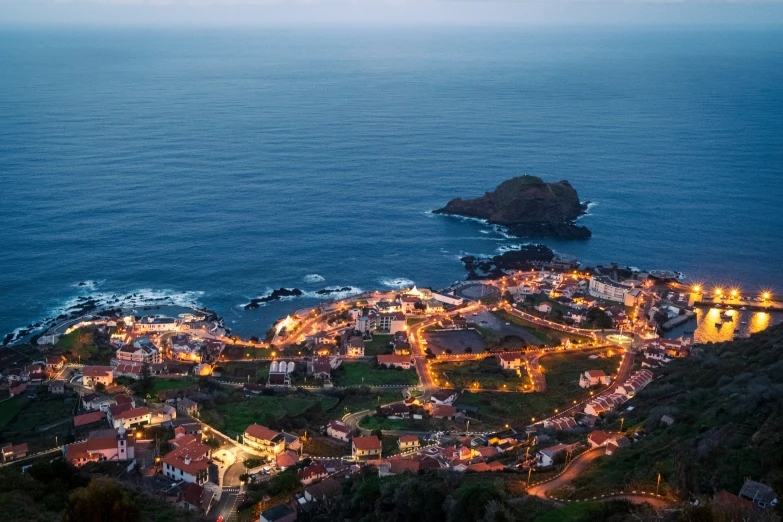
(734, 293)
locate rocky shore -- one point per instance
(528, 207)
(492, 267)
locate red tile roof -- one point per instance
(261, 432)
(88, 418)
(367, 443)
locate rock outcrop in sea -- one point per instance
(528, 207)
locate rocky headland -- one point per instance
(528, 207)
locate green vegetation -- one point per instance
(485, 374)
(86, 344)
(725, 403)
(415, 320)
(42, 422)
(359, 402)
(379, 345)
(562, 369)
(172, 384)
(548, 336)
(382, 423)
(233, 417)
(360, 374)
(57, 491)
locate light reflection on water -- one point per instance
(742, 323)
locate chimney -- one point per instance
(187, 459)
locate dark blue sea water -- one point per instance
(216, 165)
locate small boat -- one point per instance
(726, 317)
(743, 322)
(744, 308)
(717, 305)
(718, 325)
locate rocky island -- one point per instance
(528, 207)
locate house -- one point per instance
(191, 496)
(128, 369)
(598, 438)
(286, 459)
(320, 367)
(12, 452)
(188, 462)
(408, 442)
(544, 307)
(89, 421)
(325, 490)
(760, 494)
(278, 513)
(280, 373)
(615, 444)
(352, 345)
(510, 361)
(667, 420)
(604, 287)
(155, 324)
(101, 445)
(561, 423)
(444, 397)
(19, 389)
(54, 364)
(163, 415)
(139, 352)
(392, 322)
(185, 348)
(396, 411)
(546, 457)
(365, 447)
(338, 430)
(187, 406)
(399, 361)
(312, 473)
(593, 378)
(130, 418)
(442, 411)
(93, 401)
(57, 387)
(261, 437)
(409, 304)
(94, 375)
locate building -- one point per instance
(128, 369)
(261, 437)
(401, 344)
(94, 375)
(399, 361)
(547, 456)
(278, 513)
(187, 406)
(57, 387)
(12, 452)
(325, 490)
(89, 421)
(140, 353)
(286, 459)
(130, 417)
(760, 494)
(338, 430)
(155, 324)
(604, 287)
(444, 397)
(391, 322)
(366, 447)
(191, 496)
(408, 442)
(510, 361)
(280, 373)
(442, 411)
(102, 445)
(186, 349)
(598, 438)
(312, 473)
(188, 462)
(352, 345)
(54, 364)
(593, 378)
(544, 307)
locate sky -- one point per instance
(213, 13)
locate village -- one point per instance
(522, 376)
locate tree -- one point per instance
(101, 501)
(145, 383)
(99, 387)
(468, 350)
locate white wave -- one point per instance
(88, 285)
(398, 282)
(313, 278)
(352, 290)
(587, 212)
(485, 231)
(143, 297)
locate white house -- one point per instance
(338, 430)
(510, 361)
(392, 322)
(593, 378)
(188, 462)
(544, 307)
(444, 397)
(93, 375)
(606, 288)
(546, 457)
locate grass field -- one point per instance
(239, 415)
(484, 374)
(79, 342)
(360, 374)
(41, 422)
(563, 369)
(246, 371)
(379, 345)
(355, 403)
(172, 384)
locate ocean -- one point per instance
(210, 167)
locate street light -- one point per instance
(659, 484)
(622, 421)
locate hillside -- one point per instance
(726, 401)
